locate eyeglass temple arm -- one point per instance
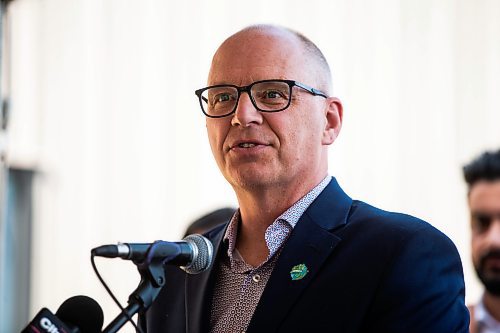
(312, 90)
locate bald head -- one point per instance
(257, 41)
(270, 151)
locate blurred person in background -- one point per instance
(300, 255)
(483, 179)
(210, 221)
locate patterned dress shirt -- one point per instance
(238, 285)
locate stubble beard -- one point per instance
(489, 278)
(253, 180)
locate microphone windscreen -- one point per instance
(82, 312)
(204, 254)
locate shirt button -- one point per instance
(256, 278)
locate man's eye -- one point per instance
(220, 98)
(482, 221)
(272, 94)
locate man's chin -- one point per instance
(248, 182)
(248, 178)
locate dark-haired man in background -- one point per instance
(483, 179)
(300, 255)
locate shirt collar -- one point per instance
(484, 318)
(280, 229)
(293, 214)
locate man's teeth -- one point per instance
(246, 145)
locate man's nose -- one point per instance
(246, 113)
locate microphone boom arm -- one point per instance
(194, 255)
(152, 281)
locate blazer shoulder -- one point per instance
(373, 218)
(396, 233)
(420, 265)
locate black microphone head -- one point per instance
(202, 256)
(82, 312)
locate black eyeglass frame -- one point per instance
(291, 84)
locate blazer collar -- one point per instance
(331, 208)
(310, 243)
(199, 288)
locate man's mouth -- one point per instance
(240, 144)
(246, 145)
(491, 261)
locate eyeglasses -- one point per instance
(267, 96)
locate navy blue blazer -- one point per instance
(369, 271)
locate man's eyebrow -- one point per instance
(485, 214)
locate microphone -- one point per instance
(194, 254)
(78, 314)
(83, 313)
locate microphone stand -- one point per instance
(152, 281)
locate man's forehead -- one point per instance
(485, 193)
(246, 74)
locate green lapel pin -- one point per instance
(298, 272)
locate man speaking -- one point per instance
(300, 255)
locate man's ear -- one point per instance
(333, 114)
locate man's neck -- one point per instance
(256, 213)
(259, 208)
(492, 304)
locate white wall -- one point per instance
(103, 107)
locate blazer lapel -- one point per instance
(198, 290)
(310, 244)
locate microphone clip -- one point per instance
(152, 267)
